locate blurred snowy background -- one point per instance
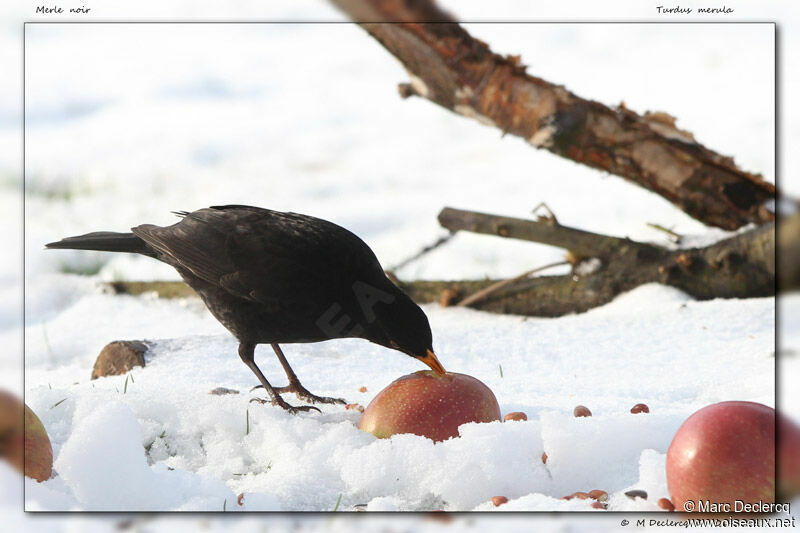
(126, 123)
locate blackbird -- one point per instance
(273, 277)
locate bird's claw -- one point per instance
(303, 394)
(291, 409)
(321, 399)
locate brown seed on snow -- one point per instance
(599, 495)
(640, 408)
(240, 499)
(544, 457)
(580, 495)
(665, 504)
(581, 410)
(516, 415)
(599, 505)
(499, 500)
(362, 389)
(356, 406)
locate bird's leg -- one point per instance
(247, 353)
(294, 383)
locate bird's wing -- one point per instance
(262, 255)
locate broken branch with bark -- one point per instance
(458, 72)
(741, 266)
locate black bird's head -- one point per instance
(400, 324)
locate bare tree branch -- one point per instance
(458, 72)
(579, 242)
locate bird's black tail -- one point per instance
(105, 241)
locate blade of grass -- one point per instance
(59, 403)
(338, 501)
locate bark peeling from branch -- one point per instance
(456, 71)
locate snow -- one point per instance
(691, 355)
(104, 465)
(195, 115)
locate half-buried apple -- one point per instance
(429, 405)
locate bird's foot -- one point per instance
(291, 409)
(301, 392)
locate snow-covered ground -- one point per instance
(126, 123)
(653, 345)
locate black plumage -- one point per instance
(273, 277)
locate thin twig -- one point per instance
(483, 293)
(675, 237)
(551, 217)
(422, 252)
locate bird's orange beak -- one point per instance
(431, 361)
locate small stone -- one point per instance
(599, 495)
(581, 411)
(220, 391)
(118, 358)
(633, 494)
(665, 504)
(499, 500)
(640, 408)
(516, 415)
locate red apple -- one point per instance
(722, 453)
(788, 459)
(429, 405)
(23, 440)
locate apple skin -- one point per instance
(722, 453)
(23, 440)
(428, 405)
(788, 459)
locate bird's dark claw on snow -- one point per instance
(303, 394)
(290, 408)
